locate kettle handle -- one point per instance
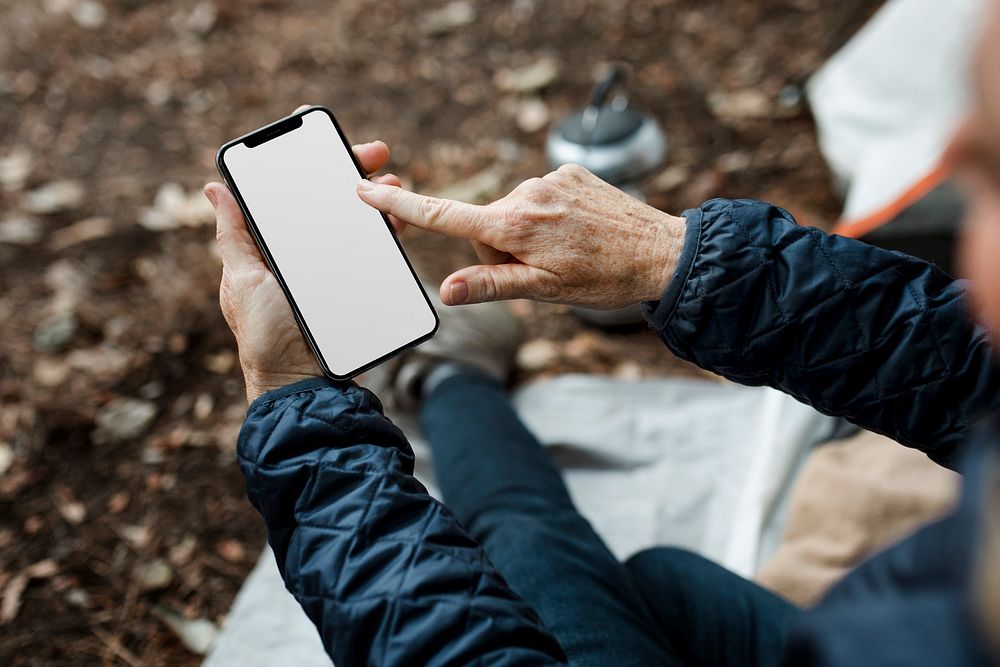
(603, 88)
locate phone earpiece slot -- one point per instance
(272, 131)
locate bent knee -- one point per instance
(661, 560)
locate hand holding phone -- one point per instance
(272, 349)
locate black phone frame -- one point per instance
(263, 135)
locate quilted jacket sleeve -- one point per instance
(875, 336)
(385, 572)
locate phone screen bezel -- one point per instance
(272, 131)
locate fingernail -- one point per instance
(212, 197)
(458, 292)
(364, 185)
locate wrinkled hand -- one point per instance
(568, 237)
(273, 352)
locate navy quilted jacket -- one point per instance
(390, 578)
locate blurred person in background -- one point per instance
(507, 572)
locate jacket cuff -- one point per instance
(658, 313)
(299, 387)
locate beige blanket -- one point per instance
(853, 498)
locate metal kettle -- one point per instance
(618, 144)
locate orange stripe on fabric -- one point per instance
(858, 228)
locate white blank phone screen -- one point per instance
(337, 257)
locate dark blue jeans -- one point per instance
(664, 606)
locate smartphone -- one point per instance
(351, 287)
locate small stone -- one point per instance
(72, 510)
(169, 198)
(740, 105)
(220, 362)
(197, 634)
(791, 97)
(53, 197)
(103, 362)
(20, 230)
(98, 67)
(136, 536)
(508, 150)
(627, 370)
(151, 390)
(200, 439)
(10, 600)
(173, 208)
(158, 92)
(523, 10)
(179, 436)
(585, 345)
(532, 115)
(477, 189)
(231, 550)
(537, 354)
(55, 331)
(180, 554)
(115, 328)
(68, 282)
(155, 575)
(177, 343)
(6, 457)
(528, 79)
(152, 456)
(202, 18)
(78, 597)
(733, 162)
(452, 16)
(15, 168)
(703, 185)
(118, 502)
(50, 372)
(203, 406)
(521, 308)
(32, 525)
(87, 229)
(43, 569)
(671, 177)
(123, 419)
(89, 14)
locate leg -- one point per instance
(500, 483)
(711, 616)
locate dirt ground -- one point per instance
(124, 529)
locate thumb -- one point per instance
(237, 247)
(476, 284)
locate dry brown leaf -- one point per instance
(14, 590)
(11, 603)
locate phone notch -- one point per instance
(273, 130)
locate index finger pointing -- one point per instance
(445, 216)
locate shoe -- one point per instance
(483, 337)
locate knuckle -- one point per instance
(490, 288)
(431, 208)
(572, 170)
(533, 189)
(533, 186)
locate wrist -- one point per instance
(259, 384)
(664, 248)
